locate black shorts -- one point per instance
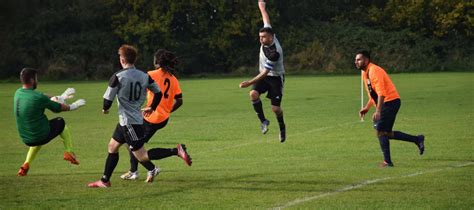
(274, 86)
(151, 128)
(133, 135)
(56, 127)
(388, 115)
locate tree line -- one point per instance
(79, 39)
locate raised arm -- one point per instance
(263, 11)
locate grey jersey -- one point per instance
(271, 58)
(129, 85)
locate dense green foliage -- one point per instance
(79, 39)
(236, 167)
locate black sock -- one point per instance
(160, 153)
(257, 106)
(110, 163)
(133, 162)
(405, 137)
(385, 146)
(148, 165)
(281, 122)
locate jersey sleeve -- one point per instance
(267, 25)
(152, 86)
(112, 89)
(51, 105)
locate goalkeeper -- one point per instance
(34, 128)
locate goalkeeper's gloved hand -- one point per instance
(68, 94)
(77, 104)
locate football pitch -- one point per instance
(330, 159)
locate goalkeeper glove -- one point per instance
(77, 104)
(68, 93)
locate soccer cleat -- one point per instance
(264, 126)
(71, 157)
(130, 175)
(384, 164)
(24, 169)
(421, 144)
(151, 175)
(183, 154)
(99, 184)
(282, 135)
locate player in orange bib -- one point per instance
(171, 100)
(384, 95)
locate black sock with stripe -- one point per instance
(385, 147)
(110, 164)
(160, 153)
(405, 137)
(133, 162)
(257, 106)
(281, 122)
(148, 165)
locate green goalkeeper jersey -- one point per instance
(28, 107)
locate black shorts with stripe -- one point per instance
(274, 86)
(133, 135)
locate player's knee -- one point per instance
(382, 133)
(277, 110)
(113, 146)
(141, 157)
(254, 95)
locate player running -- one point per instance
(33, 126)
(383, 94)
(171, 100)
(129, 85)
(271, 77)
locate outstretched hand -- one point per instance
(77, 104)
(244, 84)
(68, 94)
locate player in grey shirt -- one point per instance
(271, 77)
(129, 85)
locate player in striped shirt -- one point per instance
(171, 100)
(271, 77)
(129, 85)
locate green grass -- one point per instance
(235, 166)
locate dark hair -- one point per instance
(27, 74)
(129, 53)
(364, 53)
(266, 30)
(166, 60)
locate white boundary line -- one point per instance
(291, 135)
(363, 184)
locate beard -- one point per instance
(361, 67)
